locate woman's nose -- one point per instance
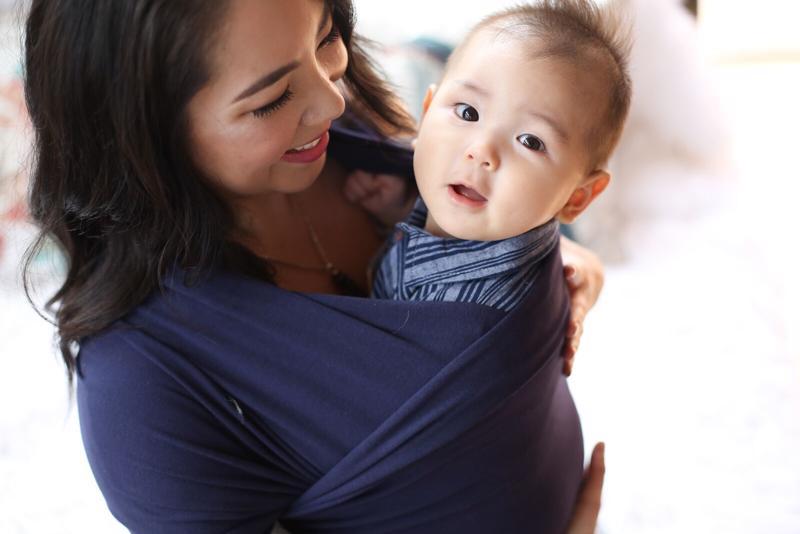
(483, 153)
(327, 103)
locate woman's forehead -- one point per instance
(259, 36)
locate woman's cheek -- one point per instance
(270, 141)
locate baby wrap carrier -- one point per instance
(226, 405)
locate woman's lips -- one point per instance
(466, 196)
(309, 152)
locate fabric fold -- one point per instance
(471, 408)
(369, 416)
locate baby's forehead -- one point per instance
(526, 56)
(529, 50)
(568, 87)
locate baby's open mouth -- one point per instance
(467, 192)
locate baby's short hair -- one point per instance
(579, 31)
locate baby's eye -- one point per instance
(465, 112)
(531, 142)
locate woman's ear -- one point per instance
(589, 189)
(426, 102)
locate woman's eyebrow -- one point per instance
(271, 78)
(267, 80)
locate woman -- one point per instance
(180, 155)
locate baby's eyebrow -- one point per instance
(472, 87)
(562, 134)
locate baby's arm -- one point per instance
(386, 197)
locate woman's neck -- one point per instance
(279, 227)
(273, 224)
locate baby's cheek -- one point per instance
(424, 158)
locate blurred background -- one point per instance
(689, 367)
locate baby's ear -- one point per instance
(588, 190)
(426, 102)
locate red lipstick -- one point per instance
(309, 155)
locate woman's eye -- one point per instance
(272, 107)
(531, 142)
(333, 36)
(465, 112)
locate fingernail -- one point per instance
(569, 271)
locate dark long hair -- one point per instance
(107, 83)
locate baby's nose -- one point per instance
(485, 155)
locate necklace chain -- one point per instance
(328, 264)
(343, 282)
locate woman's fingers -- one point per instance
(587, 507)
(573, 335)
(583, 273)
(573, 276)
(570, 349)
(569, 361)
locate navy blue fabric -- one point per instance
(226, 406)
(354, 146)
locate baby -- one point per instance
(515, 139)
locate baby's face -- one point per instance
(502, 145)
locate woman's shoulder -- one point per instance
(171, 334)
(165, 345)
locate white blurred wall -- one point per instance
(743, 29)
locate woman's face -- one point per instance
(260, 125)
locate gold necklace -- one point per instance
(341, 281)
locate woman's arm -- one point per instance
(584, 273)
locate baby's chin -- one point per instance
(476, 232)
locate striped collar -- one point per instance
(431, 259)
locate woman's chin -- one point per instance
(294, 177)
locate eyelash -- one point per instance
(282, 100)
(537, 139)
(461, 107)
(272, 107)
(331, 38)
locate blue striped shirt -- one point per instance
(421, 266)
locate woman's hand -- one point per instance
(584, 273)
(587, 507)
